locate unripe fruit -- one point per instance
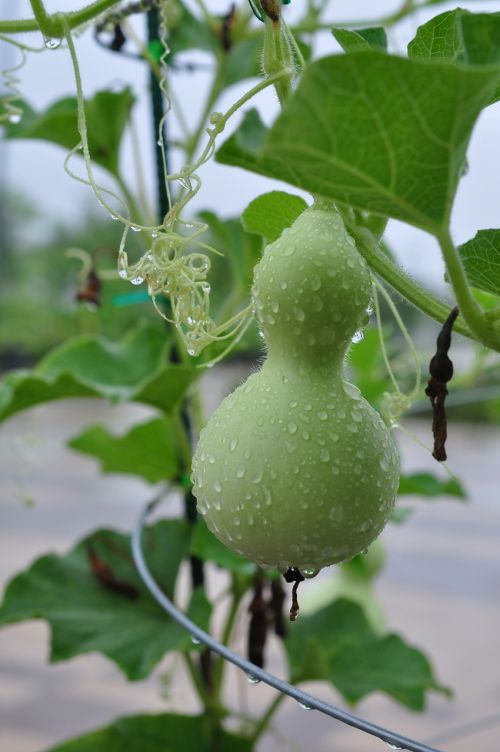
(295, 468)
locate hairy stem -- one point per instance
(401, 282)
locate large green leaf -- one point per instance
(338, 645)
(268, 215)
(158, 733)
(147, 450)
(107, 116)
(481, 259)
(378, 132)
(89, 366)
(114, 615)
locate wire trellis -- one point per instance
(253, 672)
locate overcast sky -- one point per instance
(36, 169)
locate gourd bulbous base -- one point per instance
(289, 475)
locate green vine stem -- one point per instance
(50, 24)
(469, 308)
(237, 593)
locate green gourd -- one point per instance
(295, 468)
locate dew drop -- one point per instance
(315, 283)
(292, 428)
(322, 415)
(240, 472)
(217, 486)
(305, 706)
(393, 746)
(52, 43)
(137, 280)
(195, 640)
(325, 455)
(357, 337)
(15, 118)
(122, 274)
(257, 477)
(299, 313)
(309, 572)
(384, 465)
(252, 679)
(233, 444)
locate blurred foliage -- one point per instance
(39, 283)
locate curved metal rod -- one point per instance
(395, 741)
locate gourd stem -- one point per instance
(401, 282)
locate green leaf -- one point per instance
(462, 36)
(187, 32)
(147, 450)
(268, 215)
(481, 259)
(107, 117)
(472, 38)
(362, 39)
(85, 614)
(426, 484)
(150, 733)
(338, 645)
(206, 546)
(89, 366)
(377, 132)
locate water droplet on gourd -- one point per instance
(240, 472)
(292, 428)
(384, 465)
(217, 486)
(315, 283)
(233, 444)
(252, 679)
(299, 313)
(322, 415)
(324, 455)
